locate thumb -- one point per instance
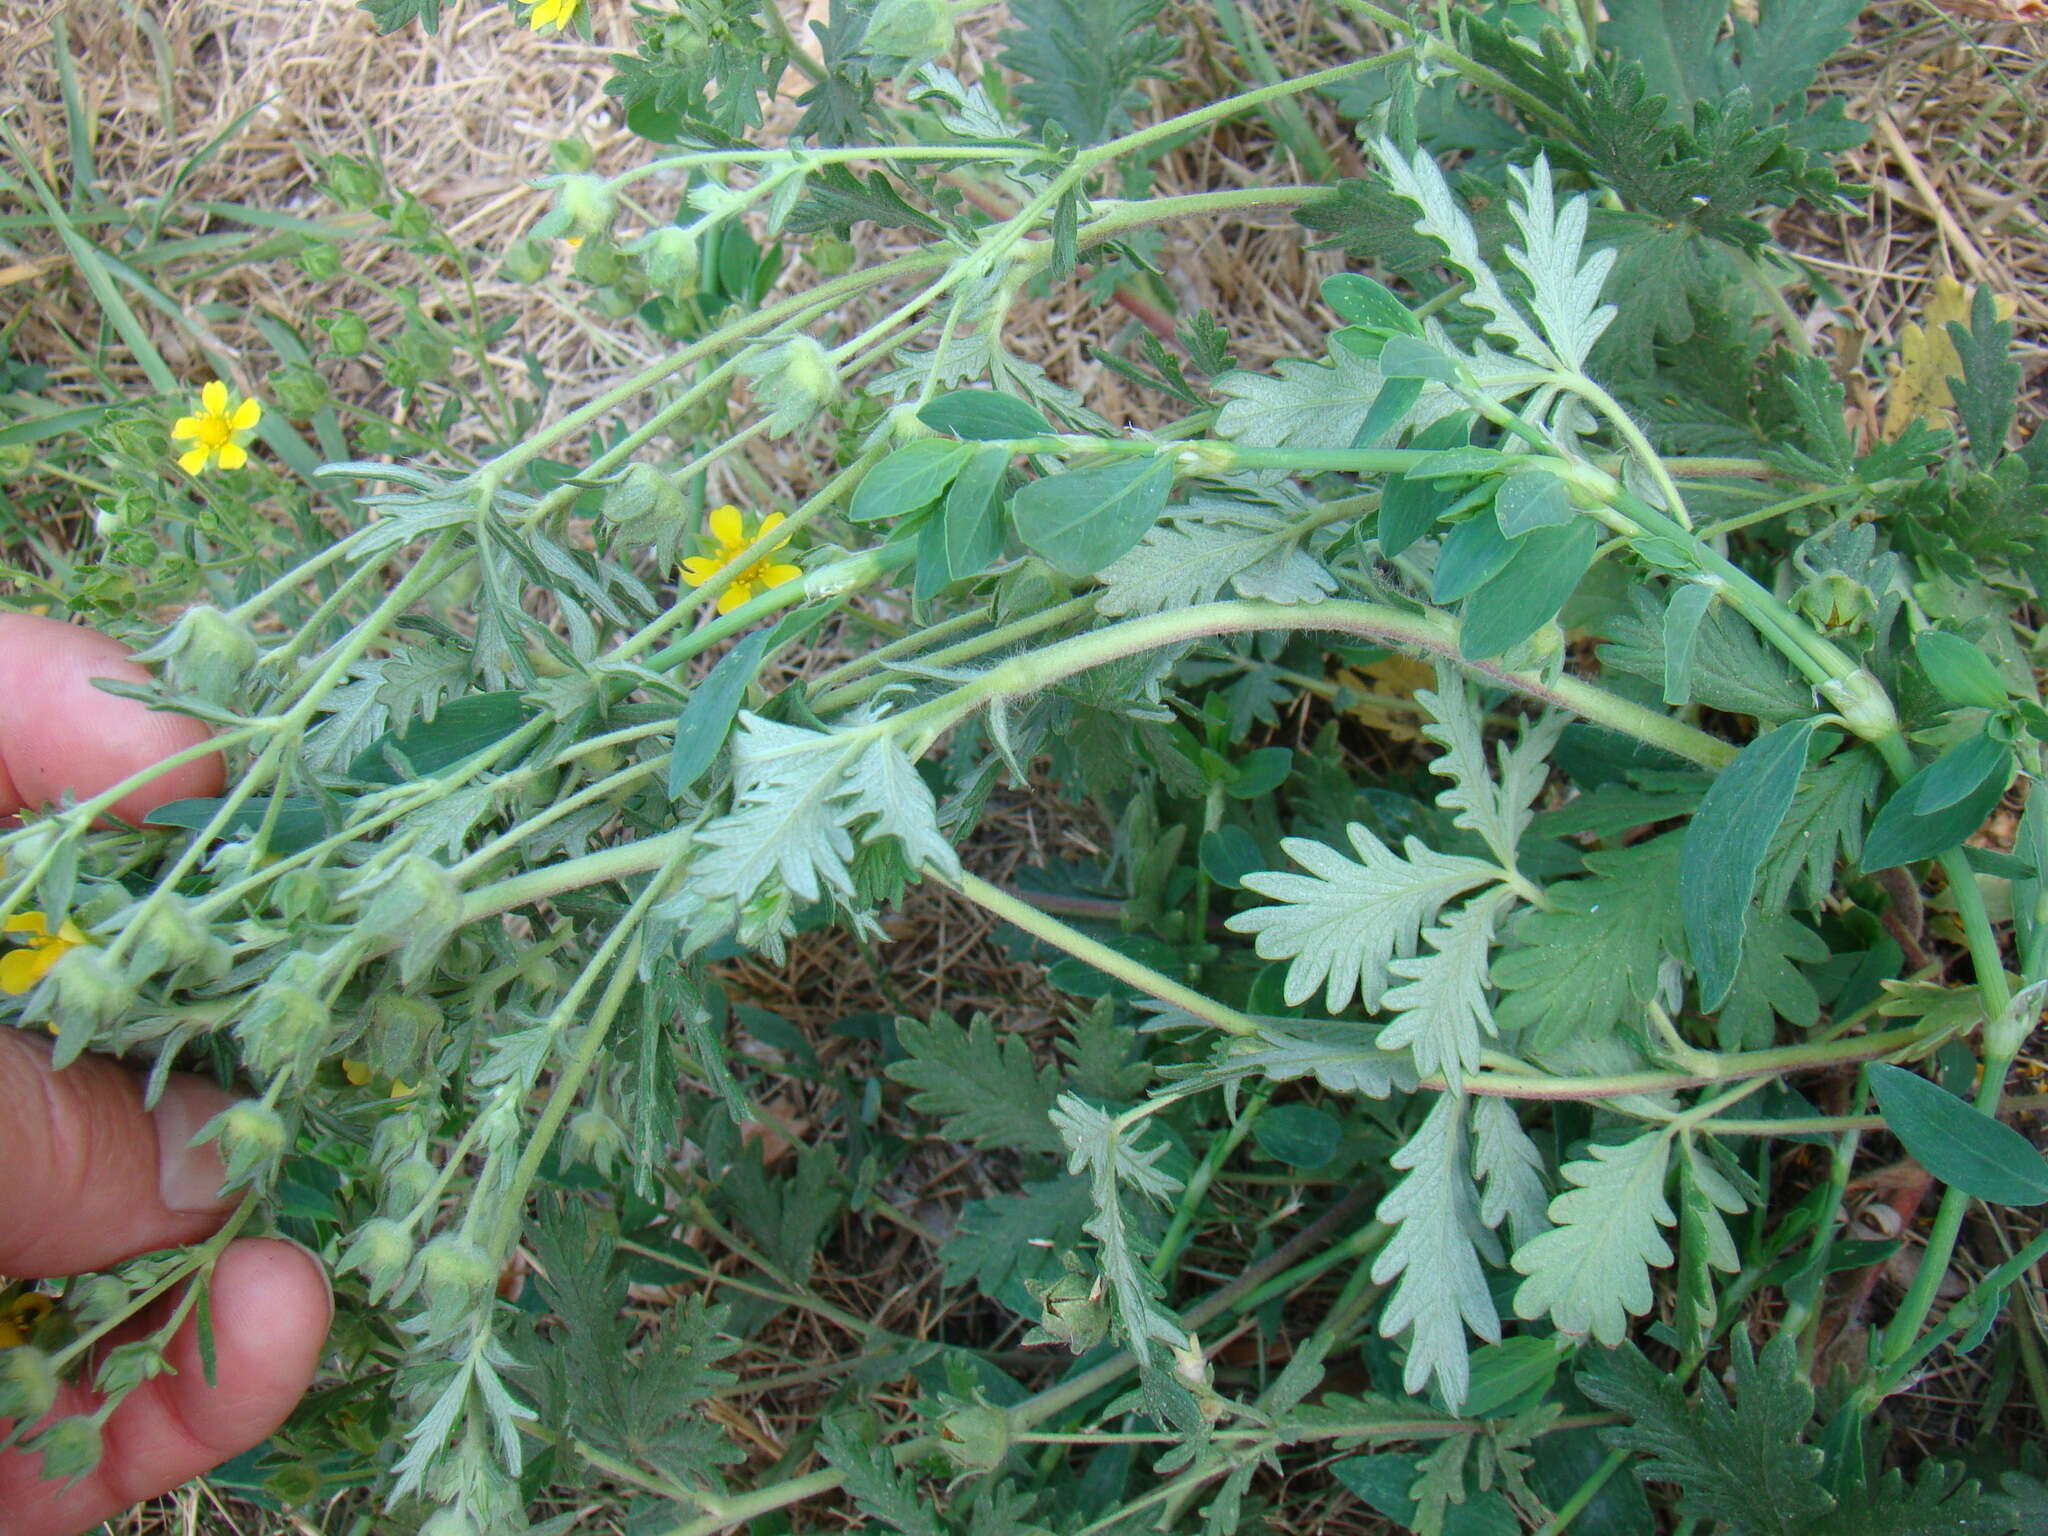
(92, 1176)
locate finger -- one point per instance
(271, 1309)
(92, 1177)
(58, 732)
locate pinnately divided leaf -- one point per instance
(1591, 1271)
(1435, 1254)
(1498, 812)
(1564, 283)
(1342, 922)
(985, 1086)
(1206, 543)
(1440, 1007)
(1510, 1168)
(1113, 1159)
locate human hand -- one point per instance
(90, 1177)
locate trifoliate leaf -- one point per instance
(1510, 1166)
(1440, 1006)
(1743, 1464)
(1343, 921)
(1579, 969)
(1442, 1289)
(984, 1087)
(1591, 1270)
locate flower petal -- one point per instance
(214, 398)
(247, 414)
(357, 1072)
(233, 456)
(698, 569)
(776, 575)
(187, 426)
(193, 460)
(28, 922)
(72, 934)
(727, 527)
(734, 595)
(19, 972)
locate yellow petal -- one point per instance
(727, 528)
(19, 971)
(247, 414)
(697, 570)
(187, 426)
(192, 460)
(769, 524)
(233, 456)
(72, 934)
(357, 1072)
(214, 398)
(776, 575)
(11, 1337)
(734, 595)
(28, 922)
(401, 1090)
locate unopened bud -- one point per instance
(795, 381)
(70, 1448)
(28, 1384)
(595, 1138)
(251, 1137)
(381, 1253)
(206, 653)
(669, 258)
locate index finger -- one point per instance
(58, 732)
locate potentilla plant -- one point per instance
(1718, 699)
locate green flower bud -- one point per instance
(417, 907)
(382, 1253)
(251, 1137)
(402, 1034)
(527, 261)
(642, 494)
(598, 262)
(1835, 601)
(287, 1028)
(351, 182)
(975, 1438)
(831, 256)
(70, 1448)
(2004, 1035)
(320, 260)
(449, 1522)
(410, 222)
(28, 1384)
(206, 653)
(615, 303)
(302, 894)
(170, 938)
(93, 1300)
(914, 30)
(298, 390)
(294, 1485)
(89, 989)
(542, 974)
(668, 256)
(570, 156)
(595, 1138)
(795, 382)
(408, 1182)
(15, 459)
(586, 204)
(346, 333)
(1075, 1310)
(457, 1277)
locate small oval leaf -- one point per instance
(1963, 1148)
(1959, 671)
(983, 415)
(910, 478)
(1298, 1135)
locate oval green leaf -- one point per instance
(1960, 672)
(461, 727)
(910, 478)
(1725, 843)
(1472, 553)
(1358, 300)
(1410, 506)
(709, 711)
(1960, 772)
(1084, 519)
(983, 415)
(1900, 834)
(1526, 593)
(1530, 499)
(1964, 1149)
(1298, 1135)
(974, 514)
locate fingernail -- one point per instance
(188, 1177)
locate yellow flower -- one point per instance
(359, 1074)
(551, 13)
(21, 969)
(217, 432)
(18, 1319)
(729, 531)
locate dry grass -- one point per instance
(463, 121)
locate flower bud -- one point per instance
(381, 1253)
(2004, 1035)
(527, 261)
(571, 156)
(88, 989)
(287, 1028)
(795, 382)
(353, 183)
(586, 204)
(206, 653)
(251, 1138)
(599, 263)
(1075, 1311)
(416, 909)
(28, 1385)
(320, 260)
(831, 256)
(402, 1033)
(645, 497)
(70, 1448)
(595, 1138)
(93, 1300)
(457, 1276)
(409, 1182)
(346, 333)
(669, 258)
(298, 390)
(170, 938)
(975, 1438)
(449, 1522)
(15, 459)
